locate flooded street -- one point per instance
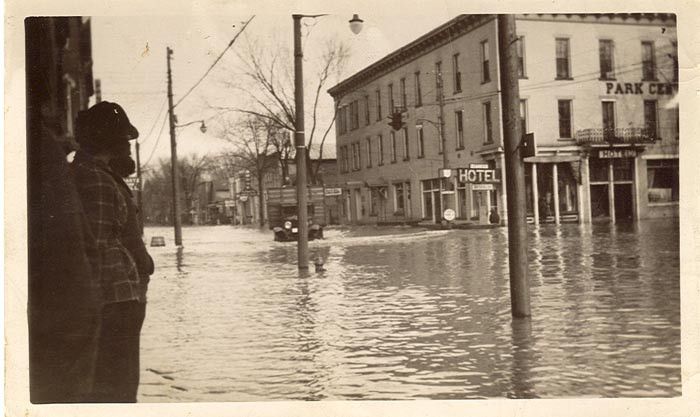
(403, 313)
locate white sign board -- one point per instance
(483, 187)
(477, 175)
(330, 192)
(449, 215)
(229, 203)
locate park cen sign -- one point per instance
(477, 175)
(641, 88)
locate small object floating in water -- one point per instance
(318, 263)
(157, 241)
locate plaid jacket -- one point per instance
(106, 210)
(131, 237)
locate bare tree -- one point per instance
(157, 196)
(253, 138)
(268, 84)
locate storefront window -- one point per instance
(623, 169)
(398, 193)
(662, 180)
(598, 169)
(568, 198)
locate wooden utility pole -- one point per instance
(515, 172)
(300, 148)
(173, 157)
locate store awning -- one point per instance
(551, 159)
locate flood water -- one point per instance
(402, 313)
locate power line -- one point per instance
(155, 121)
(215, 62)
(156, 145)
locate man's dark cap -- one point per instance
(104, 124)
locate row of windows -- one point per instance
(349, 117)
(606, 57)
(350, 159)
(565, 117)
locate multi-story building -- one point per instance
(597, 91)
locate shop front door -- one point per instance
(624, 202)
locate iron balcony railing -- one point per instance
(624, 135)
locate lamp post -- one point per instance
(299, 137)
(440, 126)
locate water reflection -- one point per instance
(231, 318)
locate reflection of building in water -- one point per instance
(597, 91)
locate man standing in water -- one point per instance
(103, 132)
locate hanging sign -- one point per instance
(477, 175)
(616, 153)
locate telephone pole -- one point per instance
(173, 157)
(515, 170)
(300, 148)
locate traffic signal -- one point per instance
(396, 121)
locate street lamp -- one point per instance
(300, 141)
(202, 127)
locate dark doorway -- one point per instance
(624, 204)
(600, 204)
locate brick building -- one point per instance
(597, 91)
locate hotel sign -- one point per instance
(641, 88)
(616, 153)
(477, 175)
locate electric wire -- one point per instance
(215, 62)
(153, 151)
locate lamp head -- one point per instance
(356, 24)
(203, 127)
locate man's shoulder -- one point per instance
(87, 171)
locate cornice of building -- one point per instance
(463, 24)
(432, 40)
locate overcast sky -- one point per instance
(130, 60)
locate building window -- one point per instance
(438, 80)
(459, 128)
(563, 65)
(345, 158)
(608, 120)
(456, 75)
(356, 156)
(398, 197)
(421, 144)
(520, 51)
(485, 71)
(606, 51)
(419, 94)
(366, 110)
(373, 200)
(356, 115)
(393, 147)
(523, 116)
(650, 119)
(381, 150)
(368, 141)
(565, 119)
(648, 62)
(402, 86)
(341, 127)
(391, 99)
(378, 95)
(406, 152)
(488, 128)
(662, 180)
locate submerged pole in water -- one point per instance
(515, 170)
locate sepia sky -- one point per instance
(129, 55)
